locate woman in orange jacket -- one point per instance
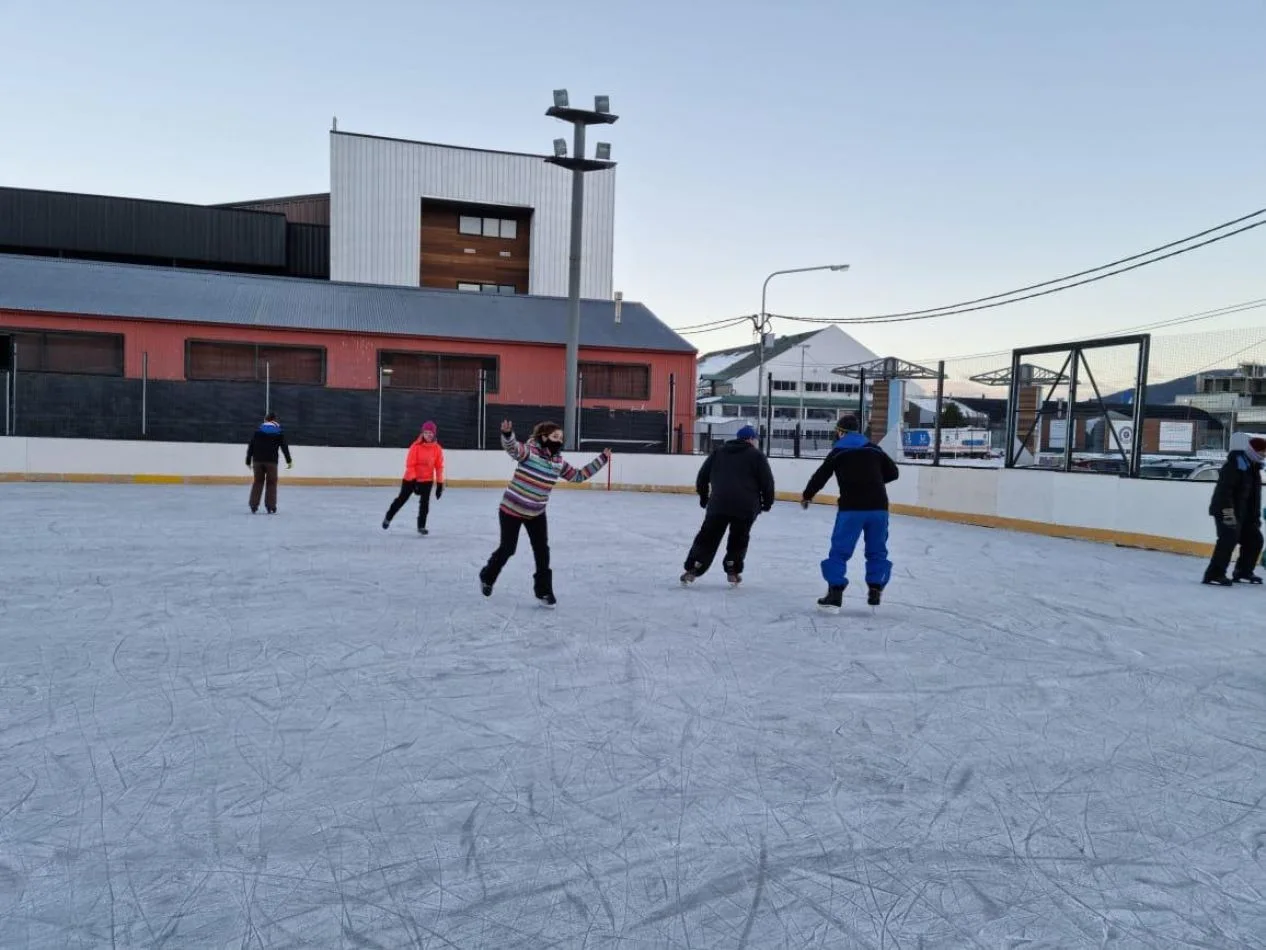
(423, 469)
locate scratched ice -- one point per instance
(221, 730)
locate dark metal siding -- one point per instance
(301, 209)
(127, 227)
(308, 250)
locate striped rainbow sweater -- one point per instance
(535, 476)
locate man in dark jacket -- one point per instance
(863, 471)
(734, 484)
(1236, 507)
(261, 456)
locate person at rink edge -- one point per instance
(261, 456)
(735, 484)
(1236, 507)
(523, 505)
(863, 471)
(423, 471)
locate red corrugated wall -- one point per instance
(530, 374)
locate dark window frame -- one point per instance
(483, 220)
(493, 380)
(259, 376)
(587, 393)
(16, 331)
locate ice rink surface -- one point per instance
(225, 730)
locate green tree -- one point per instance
(952, 417)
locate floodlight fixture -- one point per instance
(560, 148)
(604, 151)
(601, 103)
(838, 267)
(560, 98)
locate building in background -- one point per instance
(805, 393)
(104, 350)
(420, 214)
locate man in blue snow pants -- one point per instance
(863, 471)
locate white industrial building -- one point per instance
(380, 189)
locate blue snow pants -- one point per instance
(850, 526)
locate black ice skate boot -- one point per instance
(833, 600)
(734, 577)
(543, 588)
(386, 523)
(486, 580)
(874, 594)
(1215, 581)
(422, 529)
(691, 574)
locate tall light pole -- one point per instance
(803, 349)
(578, 165)
(762, 327)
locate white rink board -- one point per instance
(225, 730)
(1129, 507)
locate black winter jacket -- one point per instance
(1239, 488)
(861, 469)
(735, 481)
(266, 443)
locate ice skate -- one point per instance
(833, 600)
(874, 595)
(1222, 581)
(422, 530)
(385, 524)
(485, 583)
(1249, 578)
(688, 578)
(543, 588)
(734, 579)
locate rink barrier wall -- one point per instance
(1167, 516)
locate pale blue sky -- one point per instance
(944, 148)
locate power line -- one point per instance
(842, 321)
(1197, 317)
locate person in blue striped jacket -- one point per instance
(540, 467)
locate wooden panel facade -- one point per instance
(453, 260)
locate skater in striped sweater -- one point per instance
(523, 504)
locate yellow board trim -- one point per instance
(1147, 542)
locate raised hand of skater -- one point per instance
(606, 454)
(507, 426)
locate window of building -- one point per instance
(506, 289)
(844, 388)
(786, 412)
(815, 387)
(731, 412)
(254, 362)
(615, 381)
(88, 354)
(820, 414)
(439, 372)
(784, 386)
(503, 228)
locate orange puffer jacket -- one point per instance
(425, 463)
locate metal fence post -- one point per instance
(268, 387)
(672, 401)
(940, 407)
(1140, 403)
(580, 393)
(768, 421)
(6, 402)
(144, 393)
(480, 410)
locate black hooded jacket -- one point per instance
(1239, 489)
(735, 481)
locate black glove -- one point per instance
(703, 501)
(439, 490)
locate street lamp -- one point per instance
(762, 327)
(600, 114)
(383, 373)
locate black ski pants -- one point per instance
(407, 490)
(538, 534)
(1248, 535)
(708, 541)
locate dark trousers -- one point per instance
(407, 490)
(265, 484)
(538, 535)
(708, 540)
(1248, 535)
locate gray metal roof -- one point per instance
(50, 285)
